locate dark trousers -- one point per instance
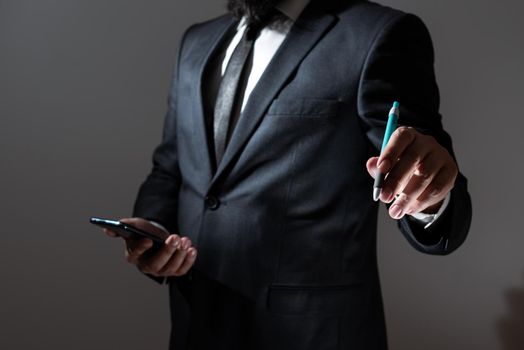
(214, 328)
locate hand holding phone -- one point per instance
(171, 255)
(127, 230)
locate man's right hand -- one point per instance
(174, 258)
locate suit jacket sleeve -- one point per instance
(157, 198)
(399, 67)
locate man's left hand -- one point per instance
(420, 173)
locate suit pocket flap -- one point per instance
(300, 300)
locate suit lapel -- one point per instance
(304, 34)
(211, 40)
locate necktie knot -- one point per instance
(256, 24)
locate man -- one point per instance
(276, 110)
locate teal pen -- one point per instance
(390, 129)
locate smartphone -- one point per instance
(126, 230)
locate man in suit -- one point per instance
(276, 111)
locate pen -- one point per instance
(390, 128)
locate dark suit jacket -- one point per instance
(285, 227)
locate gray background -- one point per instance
(82, 98)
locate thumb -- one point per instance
(145, 225)
(371, 165)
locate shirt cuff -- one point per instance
(428, 219)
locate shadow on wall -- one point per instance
(511, 327)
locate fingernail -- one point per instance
(386, 194)
(395, 211)
(192, 253)
(435, 192)
(175, 242)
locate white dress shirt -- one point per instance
(266, 44)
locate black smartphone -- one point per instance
(126, 230)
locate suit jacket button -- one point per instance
(212, 202)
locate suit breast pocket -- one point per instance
(297, 129)
(304, 108)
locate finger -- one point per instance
(188, 262)
(170, 268)
(395, 210)
(135, 248)
(371, 166)
(399, 141)
(185, 243)
(402, 171)
(174, 263)
(442, 183)
(419, 181)
(156, 262)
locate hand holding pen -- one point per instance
(413, 169)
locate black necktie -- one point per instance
(228, 102)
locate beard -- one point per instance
(254, 10)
